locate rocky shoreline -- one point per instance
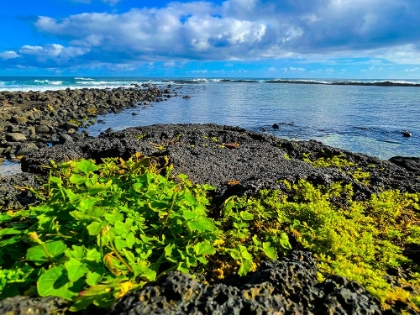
(33, 120)
(237, 162)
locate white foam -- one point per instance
(85, 79)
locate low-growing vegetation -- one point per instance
(104, 229)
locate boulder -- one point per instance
(15, 137)
(42, 129)
(19, 120)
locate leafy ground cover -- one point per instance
(104, 229)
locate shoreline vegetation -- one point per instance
(199, 219)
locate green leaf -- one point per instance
(131, 240)
(115, 216)
(121, 229)
(73, 198)
(256, 240)
(284, 241)
(269, 251)
(202, 224)
(189, 215)
(55, 282)
(77, 179)
(75, 269)
(38, 255)
(204, 248)
(86, 166)
(76, 252)
(9, 231)
(93, 278)
(94, 228)
(98, 187)
(93, 255)
(119, 243)
(141, 269)
(229, 204)
(244, 253)
(245, 215)
(87, 203)
(244, 268)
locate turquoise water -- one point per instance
(361, 116)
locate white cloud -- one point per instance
(293, 69)
(10, 54)
(314, 30)
(53, 52)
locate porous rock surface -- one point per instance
(286, 286)
(33, 120)
(222, 155)
(235, 161)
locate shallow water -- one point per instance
(366, 119)
(353, 115)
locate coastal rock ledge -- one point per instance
(237, 162)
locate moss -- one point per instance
(333, 161)
(361, 241)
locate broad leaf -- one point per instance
(202, 224)
(38, 255)
(75, 269)
(204, 248)
(55, 282)
(269, 251)
(245, 215)
(86, 166)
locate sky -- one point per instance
(349, 39)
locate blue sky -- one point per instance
(366, 39)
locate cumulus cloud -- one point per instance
(10, 54)
(237, 30)
(54, 52)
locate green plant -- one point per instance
(334, 161)
(103, 230)
(360, 240)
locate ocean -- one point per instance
(366, 116)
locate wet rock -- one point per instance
(406, 134)
(275, 126)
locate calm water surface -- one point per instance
(366, 119)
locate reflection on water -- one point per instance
(362, 119)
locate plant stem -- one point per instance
(167, 216)
(121, 259)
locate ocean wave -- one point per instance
(101, 83)
(359, 83)
(41, 81)
(56, 82)
(84, 79)
(238, 81)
